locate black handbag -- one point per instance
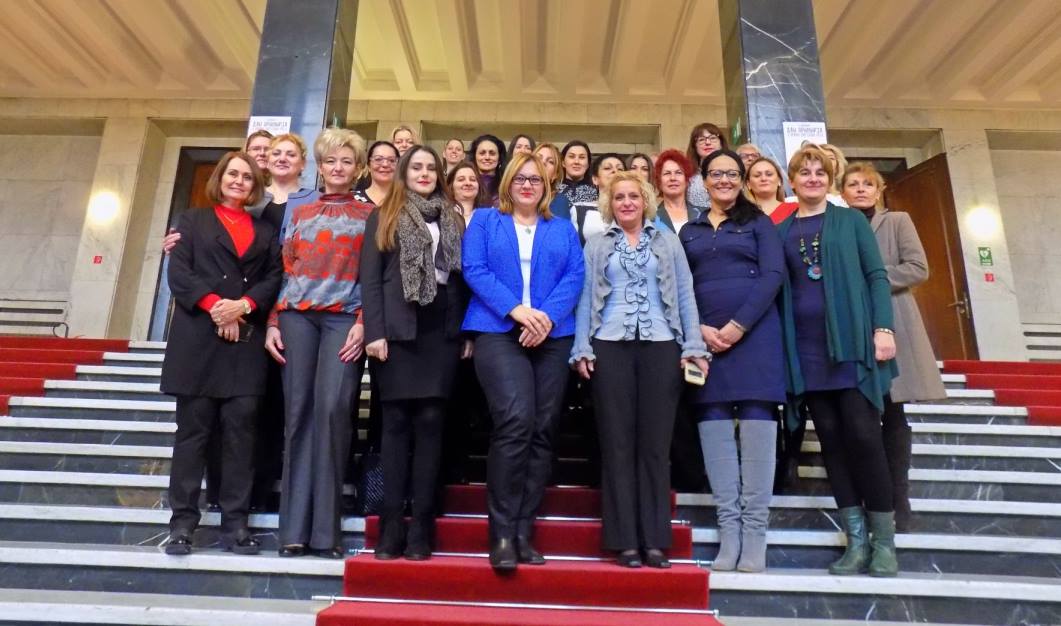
(369, 484)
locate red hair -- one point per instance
(678, 157)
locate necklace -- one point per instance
(230, 220)
(813, 259)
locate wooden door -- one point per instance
(197, 196)
(924, 192)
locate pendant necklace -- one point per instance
(812, 257)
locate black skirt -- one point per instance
(426, 366)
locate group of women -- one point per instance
(660, 281)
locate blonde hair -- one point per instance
(293, 138)
(808, 153)
(841, 160)
(333, 138)
(409, 129)
(868, 170)
(506, 204)
(558, 171)
(604, 203)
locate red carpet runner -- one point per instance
(601, 586)
(25, 362)
(1036, 386)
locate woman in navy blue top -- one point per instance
(525, 270)
(738, 267)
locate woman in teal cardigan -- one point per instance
(839, 345)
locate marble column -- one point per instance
(304, 67)
(98, 263)
(992, 291)
(772, 74)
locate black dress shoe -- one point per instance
(526, 553)
(241, 544)
(179, 545)
(415, 552)
(293, 550)
(655, 558)
(329, 553)
(629, 558)
(503, 555)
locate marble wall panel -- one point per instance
(1030, 202)
(43, 205)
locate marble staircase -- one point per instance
(83, 474)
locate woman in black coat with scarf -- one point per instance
(224, 277)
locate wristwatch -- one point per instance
(246, 306)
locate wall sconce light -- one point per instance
(983, 222)
(103, 207)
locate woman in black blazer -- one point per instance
(224, 277)
(413, 305)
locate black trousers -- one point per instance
(466, 415)
(411, 428)
(268, 449)
(849, 429)
(636, 387)
(524, 389)
(233, 419)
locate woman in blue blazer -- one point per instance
(525, 270)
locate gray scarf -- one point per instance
(414, 245)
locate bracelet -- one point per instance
(884, 330)
(737, 325)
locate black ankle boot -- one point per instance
(526, 553)
(420, 537)
(503, 556)
(391, 540)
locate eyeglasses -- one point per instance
(521, 180)
(716, 175)
(382, 160)
(705, 139)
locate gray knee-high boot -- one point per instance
(723, 472)
(758, 446)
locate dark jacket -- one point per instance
(386, 313)
(198, 362)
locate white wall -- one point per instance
(44, 190)
(1029, 195)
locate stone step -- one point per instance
(949, 598)
(147, 569)
(119, 373)
(789, 547)
(942, 553)
(35, 606)
(956, 484)
(932, 516)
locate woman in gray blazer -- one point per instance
(904, 258)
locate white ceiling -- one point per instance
(893, 53)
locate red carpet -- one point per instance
(1013, 381)
(30, 355)
(581, 583)
(1001, 367)
(52, 371)
(1044, 415)
(1028, 397)
(4, 404)
(59, 343)
(558, 502)
(379, 614)
(22, 386)
(557, 538)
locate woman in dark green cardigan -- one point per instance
(839, 340)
